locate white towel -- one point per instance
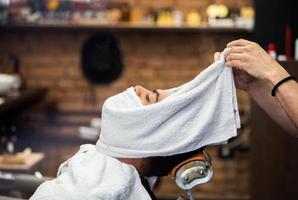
(201, 112)
(91, 175)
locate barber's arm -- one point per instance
(261, 93)
(257, 73)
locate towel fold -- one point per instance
(201, 112)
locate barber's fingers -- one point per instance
(237, 49)
(236, 64)
(216, 56)
(240, 42)
(236, 60)
(235, 56)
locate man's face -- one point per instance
(148, 97)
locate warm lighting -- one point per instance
(220, 11)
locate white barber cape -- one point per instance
(201, 112)
(90, 175)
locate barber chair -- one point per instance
(193, 172)
(15, 185)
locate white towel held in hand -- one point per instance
(201, 112)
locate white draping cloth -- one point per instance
(201, 112)
(90, 175)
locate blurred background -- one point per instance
(59, 61)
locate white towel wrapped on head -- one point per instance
(201, 112)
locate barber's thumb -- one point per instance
(216, 56)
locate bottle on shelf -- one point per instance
(272, 50)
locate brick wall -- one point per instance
(154, 60)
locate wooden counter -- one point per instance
(32, 160)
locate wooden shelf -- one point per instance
(122, 27)
(32, 160)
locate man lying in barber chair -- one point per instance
(149, 133)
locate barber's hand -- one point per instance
(250, 61)
(216, 56)
(242, 78)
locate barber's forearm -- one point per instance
(261, 93)
(277, 73)
(287, 95)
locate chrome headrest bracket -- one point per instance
(194, 173)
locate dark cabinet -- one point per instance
(274, 167)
